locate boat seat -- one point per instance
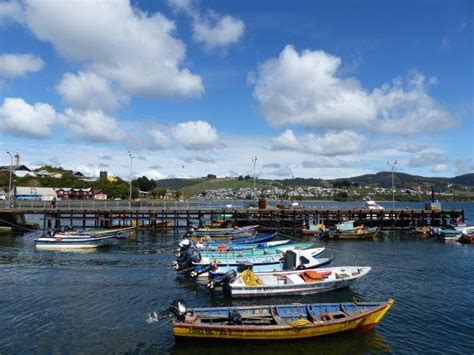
(277, 318)
(295, 278)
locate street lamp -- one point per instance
(10, 180)
(254, 161)
(131, 178)
(393, 184)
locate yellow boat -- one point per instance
(424, 231)
(276, 322)
(355, 234)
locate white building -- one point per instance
(27, 193)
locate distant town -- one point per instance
(47, 183)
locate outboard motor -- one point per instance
(224, 280)
(178, 309)
(186, 260)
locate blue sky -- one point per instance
(314, 89)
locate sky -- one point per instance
(320, 89)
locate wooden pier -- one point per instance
(274, 219)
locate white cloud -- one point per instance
(406, 108)
(198, 158)
(282, 171)
(88, 91)
(14, 65)
(440, 168)
(18, 117)
(412, 148)
(150, 173)
(94, 126)
(303, 89)
(217, 31)
(327, 162)
(11, 11)
(158, 139)
(196, 135)
(286, 141)
(121, 43)
(329, 144)
(185, 6)
(272, 165)
(427, 159)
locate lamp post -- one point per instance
(254, 161)
(131, 178)
(10, 180)
(393, 183)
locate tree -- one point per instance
(241, 177)
(211, 176)
(144, 184)
(178, 194)
(158, 193)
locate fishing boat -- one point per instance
(422, 231)
(223, 252)
(347, 230)
(295, 282)
(216, 232)
(236, 246)
(119, 233)
(372, 205)
(314, 230)
(73, 242)
(5, 230)
(213, 242)
(272, 322)
(291, 260)
(448, 233)
(466, 236)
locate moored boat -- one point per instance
(358, 233)
(73, 242)
(295, 282)
(218, 232)
(213, 242)
(466, 236)
(238, 246)
(273, 322)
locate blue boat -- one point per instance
(261, 238)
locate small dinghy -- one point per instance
(217, 232)
(296, 282)
(466, 236)
(347, 230)
(229, 246)
(213, 242)
(272, 322)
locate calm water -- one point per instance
(97, 302)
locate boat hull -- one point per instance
(360, 321)
(73, 243)
(254, 251)
(370, 233)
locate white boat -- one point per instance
(73, 242)
(295, 282)
(372, 205)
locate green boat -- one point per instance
(256, 251)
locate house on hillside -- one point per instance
(42, 174)
(99, 195)
(18, 170)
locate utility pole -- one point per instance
(393, 183)
(10, 181)
(254, 161)
(131, 178)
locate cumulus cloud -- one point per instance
(105, 157)
(210, 29)
(440, 168)
(412, 148)
(88, 91)
(406, 108)
(11, 10)
(94, 126)
(17, 117)
(135, 49)
(272, 165)
(327, 162)
(103, 165)
(303, 89)
(283, 171)
(196, 135)
(306, 89)
(427, 159)
(199, 158)
(14, 65)
(158, 139)
(217, 31)
(151, 174)
(329, 144)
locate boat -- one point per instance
(5, 230)
(223, 252)
(372, 205)
(119, 233)
(212, 242)
(295, 282)
(290, 260)
(73, 242)
(315, 230)
(272, 322)
(216, 232)
(466, 236)
(422, 231)
(347, 230)
(448, 233)
(237, 246)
